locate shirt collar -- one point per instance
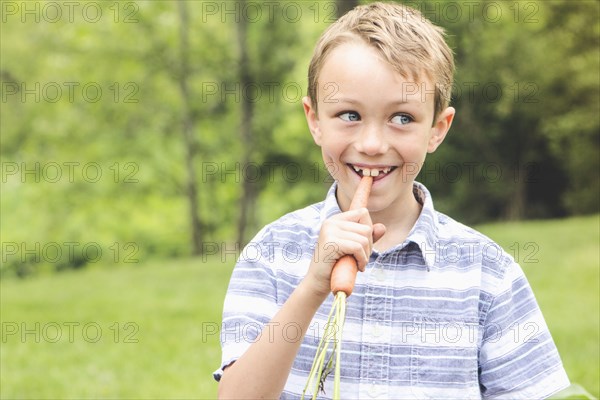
(425, 231)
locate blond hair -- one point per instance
(402, 35)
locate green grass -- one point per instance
(169, 351)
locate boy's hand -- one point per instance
(352, 233)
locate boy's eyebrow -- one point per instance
(346, 100)
(358, 102)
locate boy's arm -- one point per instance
(518, 358)
(262, 370)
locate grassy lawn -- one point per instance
(141, 332)
(149, 331)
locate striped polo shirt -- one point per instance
(447, 314)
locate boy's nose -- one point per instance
(372, 141)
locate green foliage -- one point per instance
(572, 128)
(530, 151)
(510, 65)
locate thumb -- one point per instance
(378, 231)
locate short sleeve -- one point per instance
(518, 358)
(250, 302)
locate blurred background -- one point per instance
(144, 142)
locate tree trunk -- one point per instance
(516, 207)
(248, 196)
(187, 125)
(343, 6)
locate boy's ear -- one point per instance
(312, 119)
(440, 129)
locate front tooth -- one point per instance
(366, 172)
(374, 172)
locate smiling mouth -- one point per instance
(378, 173)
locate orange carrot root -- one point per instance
(361, 196)
(344, 271)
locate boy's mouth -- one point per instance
(376, 172)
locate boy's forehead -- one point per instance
(352, 69)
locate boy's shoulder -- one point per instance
(301, 223)
(449, 229)
(307, 216)
(459, 241)
(443, 229)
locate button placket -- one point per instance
(375, 372)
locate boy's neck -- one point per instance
(398, 225)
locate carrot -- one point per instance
(343, 277)
(344, 271)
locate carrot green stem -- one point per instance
(340, 299)
(316, 371)
(331, 340)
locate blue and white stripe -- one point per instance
(447, 314)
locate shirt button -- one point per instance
(377, 331)
(373, 390)
(379, 275)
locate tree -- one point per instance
(506, 93)
(343, 6)
(249, 193)
(572, 125)
(188, 125)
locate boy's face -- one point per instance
(369, 116)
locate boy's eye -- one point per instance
(349, 116)
(402, 119)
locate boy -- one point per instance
(438, 311)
